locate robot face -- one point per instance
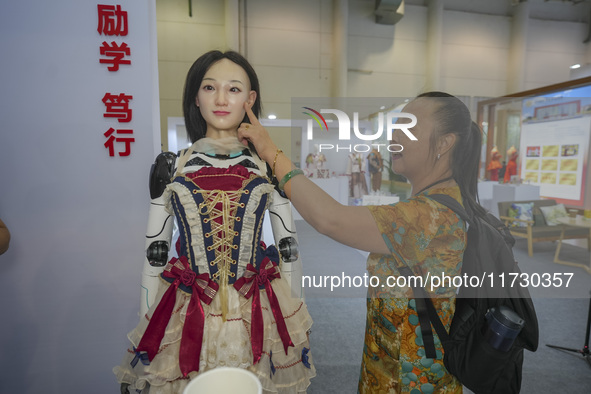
(224, 90)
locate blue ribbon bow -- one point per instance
(143, 357)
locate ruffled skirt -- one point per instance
(227, 344)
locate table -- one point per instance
(579, 221)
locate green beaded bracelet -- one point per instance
(288, 177)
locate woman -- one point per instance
(223, 301)
(427, 235)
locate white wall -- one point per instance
(291, 45)
(181, 40)
(69, 283)
(395, 55)
(553, 47)
(475, 54)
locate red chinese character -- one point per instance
(116, 53)
(117, 107)
(110, 144)
(112, 21)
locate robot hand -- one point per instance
(286, 240)
(159, 232)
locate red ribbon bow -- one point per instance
(248, 286)
(203, 289)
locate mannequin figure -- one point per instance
(226, 300)
(319, 161)
(376, 165)
(495, 164)
(356, 171)
(315, 164)
(319, 158)
(310, 161)
(511, 169)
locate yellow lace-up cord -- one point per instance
(222, 235)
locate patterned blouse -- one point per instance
(431, 238)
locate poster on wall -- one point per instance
(555, 142)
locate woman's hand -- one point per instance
(256, 134)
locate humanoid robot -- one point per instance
(160, 231)
(213, 294)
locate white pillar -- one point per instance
(232, 24)
(434, 33)
(518, 48)
(340, 44)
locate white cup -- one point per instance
(225, 380)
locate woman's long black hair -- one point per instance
(194, 122)
(452, 116)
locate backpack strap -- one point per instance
(425, 309)
(427, 316)
(466, 216)
(452, 204)
(422, 312)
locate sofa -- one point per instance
(537, 229)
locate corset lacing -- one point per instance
(222, 234)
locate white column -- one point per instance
(232, 24)
(434, 33)
(340, 44)
(518, 48)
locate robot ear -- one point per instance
(252, 97)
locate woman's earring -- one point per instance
(438, 156)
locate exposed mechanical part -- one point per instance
(288, 247)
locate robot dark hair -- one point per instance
(194, 121)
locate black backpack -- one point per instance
(467, 355)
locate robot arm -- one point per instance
(159, 232)
(286, 239)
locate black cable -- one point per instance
(282, 222)
(161, 230)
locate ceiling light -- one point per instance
(272, 116)
(575, 66)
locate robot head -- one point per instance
(194, 122)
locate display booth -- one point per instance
(546, 133)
